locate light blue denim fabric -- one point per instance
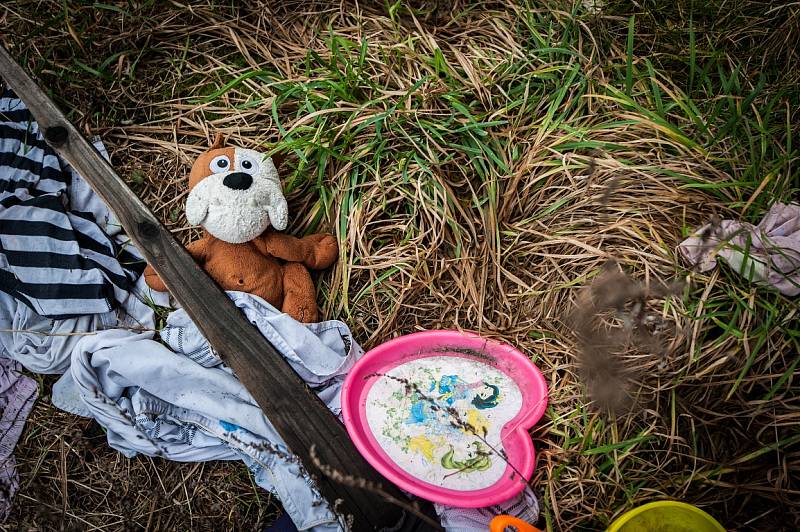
(186, 405)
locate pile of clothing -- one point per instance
(73, 302)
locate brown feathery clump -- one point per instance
(609, 317)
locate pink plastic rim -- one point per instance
(516, 441)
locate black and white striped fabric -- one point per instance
(56, 254)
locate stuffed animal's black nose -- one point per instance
(238, 181)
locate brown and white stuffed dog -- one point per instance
(235, 194)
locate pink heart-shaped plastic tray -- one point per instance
(445, 415)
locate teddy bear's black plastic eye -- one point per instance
(247, 165)
(220, 163)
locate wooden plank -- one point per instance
(295, 411)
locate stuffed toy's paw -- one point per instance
(325, 251)
(153, 280)
(299, 295)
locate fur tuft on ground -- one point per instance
(481, 163)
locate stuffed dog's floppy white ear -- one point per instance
(278, 210)
(196, 207)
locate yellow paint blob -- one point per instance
(477, 421)
(421, 444)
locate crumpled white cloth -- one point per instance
(767, 253)
(183, 403)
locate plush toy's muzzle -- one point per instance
(235, 194)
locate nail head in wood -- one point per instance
(147, 230)
(56, 135)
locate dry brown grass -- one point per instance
(489, 219)
(71, 479)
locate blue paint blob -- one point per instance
(230, 427)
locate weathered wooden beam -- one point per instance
(295, 411)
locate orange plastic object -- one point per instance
(500, 523)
